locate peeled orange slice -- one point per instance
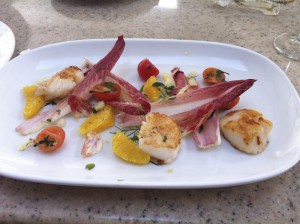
(34, 103)
(128, 150)
(99, 121)
(151, 92)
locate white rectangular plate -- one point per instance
(272, 94)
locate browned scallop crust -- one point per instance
(69, 73)
(247, 130)
(60, 84)
(160, 131)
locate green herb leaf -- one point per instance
(107, 87)
(99, 91)
(94, 110)
(158, 84)
(163, 89)
(46, 141)
(90, 166)
(142, 88)
(169, 87)
(110, 86)
(130, 132)
(134, 138)
(165, 138)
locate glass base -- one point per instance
(289, 45)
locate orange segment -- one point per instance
(128, 150)
(34, 103)
(99, 121)
(152, 92)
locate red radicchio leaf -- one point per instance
(80, 107)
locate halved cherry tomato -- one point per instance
(146, 69)
(231, 104)
(50, 139)
(106, 91)
(214, 75)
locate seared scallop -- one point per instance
(246, 130)
(160, 137)
(61, 84)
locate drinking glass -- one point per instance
(288, 44)
(268, 7)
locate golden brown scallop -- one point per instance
(247, 130)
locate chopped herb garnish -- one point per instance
(49, 120)
(130, 132)
(142, 88)
(50, 103)
(169, 87)
(94, 110)
(200, 128)
(134, 138)
(46, 141)
(90, 166)
(158, 84)
(165, 138)
(220, 76)
(110, 86)
(99, 91)
(107, 87)
(163, 89)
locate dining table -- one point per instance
(37, 23)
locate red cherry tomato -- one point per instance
(231, 104)
(50, 139)
(106, 91)
(213, 75)
(146, 69)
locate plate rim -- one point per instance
(137, 184)
(13, 44)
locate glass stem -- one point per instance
(298, 38)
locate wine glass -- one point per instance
(288, 44)
(268, 7)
